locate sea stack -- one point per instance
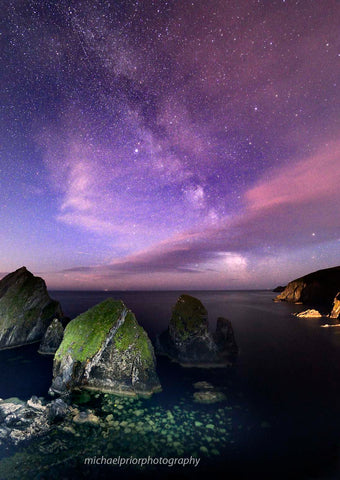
(317, 288)
(26, 309)
(189, 341)
(105, 349)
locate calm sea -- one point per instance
(286, 379)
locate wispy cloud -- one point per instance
(270, 220)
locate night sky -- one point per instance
(170, 144)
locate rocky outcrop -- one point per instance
(21, 421)
(335, 313)
(26, 309)
(105, 349)
(310, 313)
(188, 339)
(52, 338)
(317, 288)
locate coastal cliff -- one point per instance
(317, 288)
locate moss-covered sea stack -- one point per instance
(105, 349)
(189, 341)
(26, 309)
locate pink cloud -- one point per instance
(314, 178)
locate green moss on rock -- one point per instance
(85, 335)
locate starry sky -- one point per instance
(169, 144)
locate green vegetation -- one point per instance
(85, 334)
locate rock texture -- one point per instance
(335, 313)
(21, 420)
(188, 339)
(317, 288)
(105, 349)
(310, 313)
(52, 338)
(26, 309)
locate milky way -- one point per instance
(170, 144)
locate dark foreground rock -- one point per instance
(52, 338)
(22, 420)
(317, 288)
(57, 410)
(26, 309)
(105, 349)
(189, 341)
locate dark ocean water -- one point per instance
(284, 390)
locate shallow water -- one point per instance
(279, 420)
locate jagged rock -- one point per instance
(21, 421)
(26, 309)
(317, 288)
(188, 339)
(52, 338)
(105, 349)
(335, 313)
(310, 313)
(9, 406)
(57, 410)
(224, 337)
(36, 403)
(278, 289)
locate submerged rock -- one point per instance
(26, 309)
(310, 313)
(188, 339)
(335, 313)
(105, 349)
(317, 288)
(87, 417)
(203, 385)
(209, 396)
(52, 338)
